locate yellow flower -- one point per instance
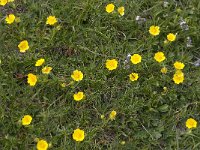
(3, 2)
(136, 58)
(23, 46)
(154, 30)
(112, 115)
(26, 120)
(165, 89)
(78, 135)
(191, 123)
(121, 11)
(178, 77)
(179, 65)
(42, 145)
(102, 116)
(51, 20)
(163, 70)
(122, 142)
(133, 76)
(39, 62)
(110, 8)
(159, 57)
(77, 75)
(46, 70)
(63, 85)
(111, 64)
(10, 19)
(171, 37)
(32, 79)
(78, 96)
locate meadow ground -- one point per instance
(151, 112)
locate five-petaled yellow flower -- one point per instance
(171, 37)
(39, 62)
(51, 20)
(46, 70)
(10, 18)
(110, 8)
(136, 58)
(191, 123)
(178, 77)
(134, 76)
(154, 30)
(78, 135)
(121, 10)
(159, 56)
(3, 2)
(179, 65)
(111, 64)
(23, 46)
(42, 145)
(26, 120)
(78, 96)
(32, 79)
(112, 115)
(163, 70)
(77, 75)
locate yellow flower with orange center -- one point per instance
(110, 8)
(23, 46)
(39, 62)
(191, 123)
(121, 10)
(42, 145)
(112, 115)
(78, 96)
(46, 70)
(178, 77)
(3, 2)
(78, 135)
(26, 120)
(179, 65)
(10, 18)
(159, 56)
(136, 58)
(171, 37)
(77, 75)
(111, 64)
(154, 30)
(134, 76)
(51, 20)
(32, 79)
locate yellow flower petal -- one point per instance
(110, 8)
(78, 135)
(10, 19)
(26, 120)
(154, 30)
(42, 145)
(159, 56)
(51, 20)
(77, 75)
(111, 64)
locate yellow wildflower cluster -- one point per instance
(110, 64)
(111, 7)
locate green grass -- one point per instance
(146, 118)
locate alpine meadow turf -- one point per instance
(100, 74)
